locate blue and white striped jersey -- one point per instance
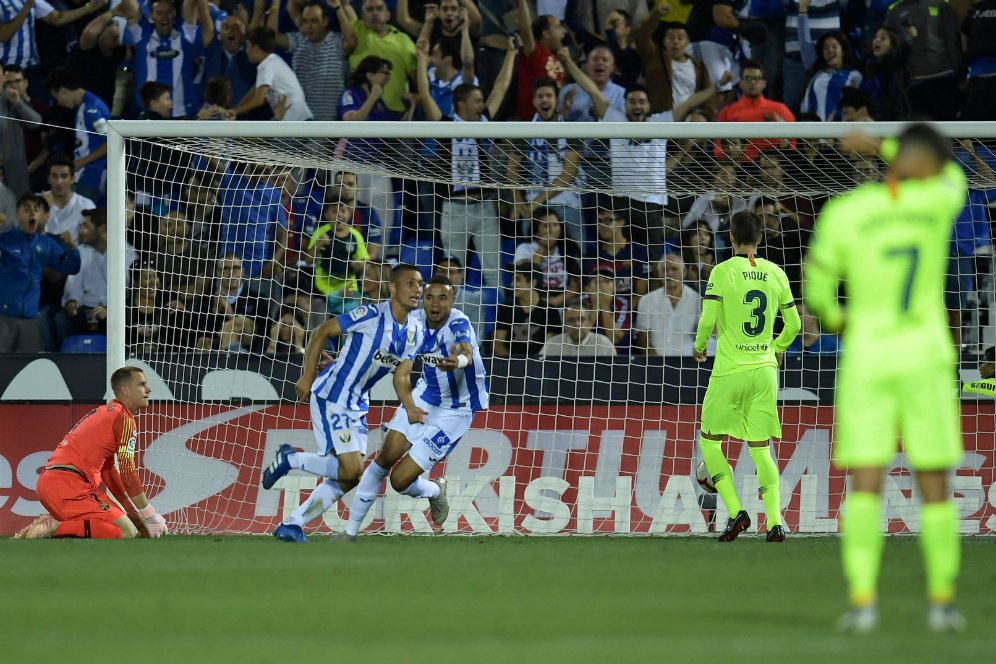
(91, 125)
(170, 60)
(375, 346)
(463, 389)
(22, 48)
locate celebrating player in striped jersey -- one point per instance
(381, 338)
(69, 487)
(742, 298)
(888, 243)
(428, 425)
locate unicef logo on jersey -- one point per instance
(386, 359)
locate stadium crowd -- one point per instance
(243, 256)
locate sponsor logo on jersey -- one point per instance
(386, 359)
(431, 360)
(130, 448)
(358, 313)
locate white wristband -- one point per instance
(462, 361)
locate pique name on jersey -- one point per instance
(754, 275)
(386, 359)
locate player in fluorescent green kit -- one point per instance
(888, 243)
(741, 301)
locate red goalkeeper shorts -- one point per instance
(67, 496)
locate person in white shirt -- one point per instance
(578, 338)
(667, 318)
(65, 206)
(84, 300)
(276, 82)
(639, 168)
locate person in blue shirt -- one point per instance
(24, 253)
(253, 222)
(91, 116)
(453, 386)
(166, 54)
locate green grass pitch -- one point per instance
(454, 599)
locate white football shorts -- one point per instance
(432, 441)
(337, 429)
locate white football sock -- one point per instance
(366, 493)
(317, 464)
(320, 500)
(422, 488)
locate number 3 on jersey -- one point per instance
(760, 301)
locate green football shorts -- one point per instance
(743, 405)
(873, 411)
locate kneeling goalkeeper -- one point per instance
(70, 486)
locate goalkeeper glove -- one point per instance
(153, 521)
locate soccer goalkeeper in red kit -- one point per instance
(70, 486)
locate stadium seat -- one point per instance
(85, 343)
(420, 254)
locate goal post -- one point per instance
(600, 444)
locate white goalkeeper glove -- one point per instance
(153, 521)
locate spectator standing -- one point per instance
(753, 106)
(339, 254)
(557, 259)
(525, 323)
(183, 263)
(24, 252)
(823, 17)
(884, 76)
(375, 36)
(253, 222)
(91, 116)
(930, 30)
(317, 54)
(66, 207)
(18, 45)
(579, 338)
(166, 54)
(551, 167)
(575, 105)
(713, 30)
(586, 18)
(36, 137)
(450, 64)
(444, 22)
(466, 298)
(99, 53)
(84, 300)
(231, 62)
(471, 208)
(783, 240)
(977, 32)
(541, 38)
(639, 168)
(13, 158)
(275, 80)
(666, 317)
(672, 76)
(619, 35)
(831, 69)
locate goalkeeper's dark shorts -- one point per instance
(67, 496)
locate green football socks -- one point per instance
(722, 474)
(939, 541)
(767, 480)
(861, 545)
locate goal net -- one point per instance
(581, 262)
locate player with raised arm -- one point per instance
(70, 486)
(380, 338)
(888, 243)
(742, 299)
(452, 388)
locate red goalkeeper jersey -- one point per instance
(93, 442)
